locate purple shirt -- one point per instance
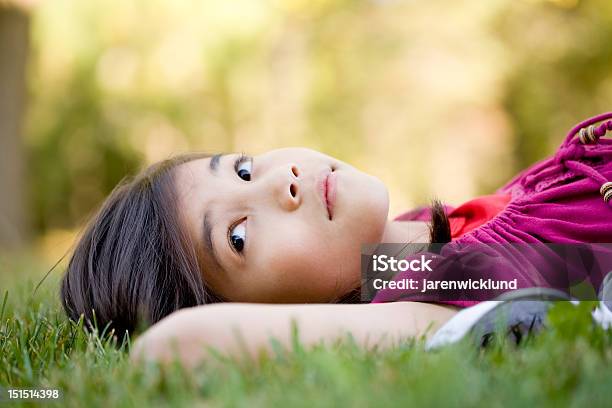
(557, 200)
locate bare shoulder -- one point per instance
(232, 327)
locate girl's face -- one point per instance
(284, 226)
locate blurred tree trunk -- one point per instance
(14, 43)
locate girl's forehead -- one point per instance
(193, 171)
(191, 174)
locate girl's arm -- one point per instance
(236, 329)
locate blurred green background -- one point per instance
(441, 98)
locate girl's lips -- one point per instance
(331, 193)
(327, 189)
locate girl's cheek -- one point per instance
(297, 257)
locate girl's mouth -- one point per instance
(328, 191)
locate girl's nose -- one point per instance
(290, 191)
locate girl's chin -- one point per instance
(374, 208)
(379, 195)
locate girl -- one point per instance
(287, 227)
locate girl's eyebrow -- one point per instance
(214, 162)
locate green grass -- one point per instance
(570, 364)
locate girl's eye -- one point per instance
(244, 167)
(238, 236)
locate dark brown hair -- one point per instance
(439, 228)
(134, 264)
